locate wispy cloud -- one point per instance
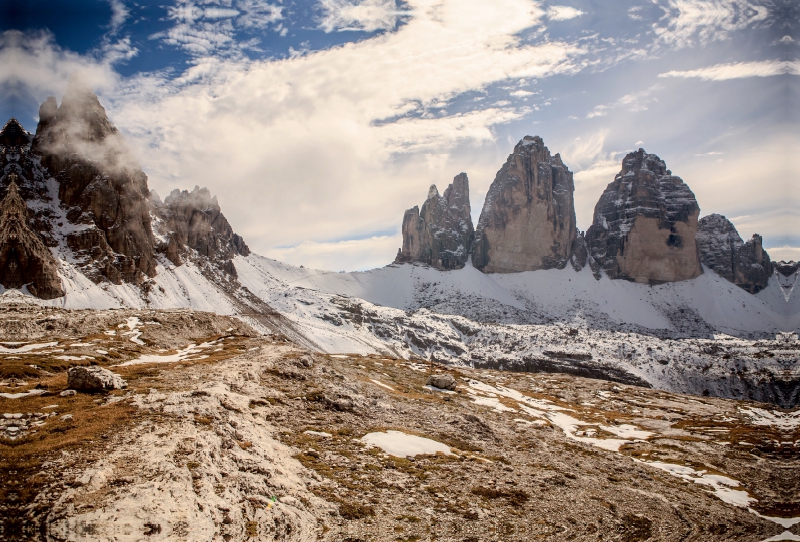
(119, 13)
(739, 70)
(691, 22)
(363, 15)
(563, 13)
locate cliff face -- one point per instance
(101, 183)
(721, 248)
(193, 221)
(528, 218)
(439, 235)
(645, 224)
(24, 259)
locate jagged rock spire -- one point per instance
(722, 249)
(439, 235)
(24, 260)
(528, 218)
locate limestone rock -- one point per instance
(721, 248)
(528, 219)
(645, 224)
(194, 221)
(94, 379)
(785, 268)
(439, 235)
(24, 259)
(442, 381)
(102, 183)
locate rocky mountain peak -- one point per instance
(722, 249)
(528, 218)
(439, 235)
(14, 135)
(192, 223)
(645, 224)
(24, 259)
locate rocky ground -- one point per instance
(222, 434)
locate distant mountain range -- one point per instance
(650, 294)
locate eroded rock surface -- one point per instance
(439, 235)
(721, 248)
(645, 224)
(24, 259)
(94, 379)
(193, 221)
(528, 218)
(102, 184)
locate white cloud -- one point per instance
(691, 22)
(563, 13)
(786, 40)
(299, 149)
(359, 254)
(364, 15)
(739, 70)
(211, 26)
(119, 13)
(785, 253)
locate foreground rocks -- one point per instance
(528, 218)
(94, 379)
(721, 248)
(440, 235)
(645, 224)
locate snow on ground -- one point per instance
(724, 488)
(783, 421)
(180, 355)
(22, 394)
(24, 348)
(401, 444)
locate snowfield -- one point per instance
(701, 336)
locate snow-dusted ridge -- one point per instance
(703, 335)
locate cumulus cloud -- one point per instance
(364, 15)
(786, 253)
(739, 70)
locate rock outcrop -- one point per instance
(193, 221)
(645, 224)
(94, 379)
(528, 218)
(722, 249)
(24, 259)
(101, 183)
(439, 235)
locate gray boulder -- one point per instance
(442, 381)
(94, 379)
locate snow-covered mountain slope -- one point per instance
(699, 336)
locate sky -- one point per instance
(317, 123)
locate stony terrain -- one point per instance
(222, 434)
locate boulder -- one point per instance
(94, 379)
(440, 234)
(645, 224)
(528, 218)
(722, 249)
(442, 381)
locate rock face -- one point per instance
(439, 235)
(528, 219)
(721, 248)
(24, 259)
(102, 184)
(94, 379)
(645, 224)
(193, 221)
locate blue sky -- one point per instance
(317, 123)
